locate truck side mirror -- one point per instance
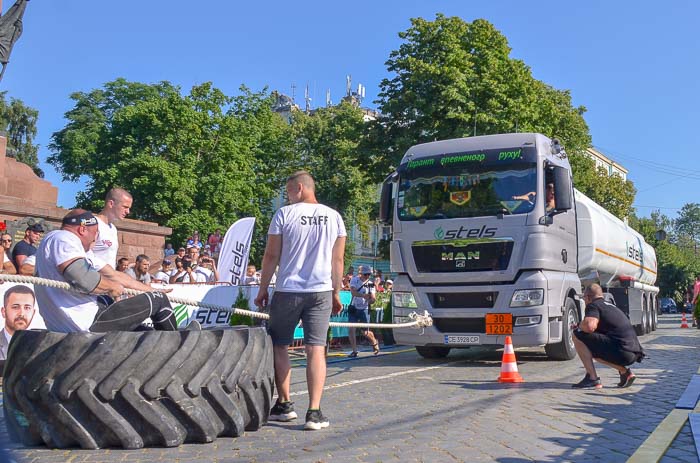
(562, 189)
(385, 203)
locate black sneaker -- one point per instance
(626, 378)
(587, 382)
(315, 420)
(283, 411)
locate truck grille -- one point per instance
(472, 257)
(484, 300)
(460, 325)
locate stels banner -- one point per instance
(233, 257)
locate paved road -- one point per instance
(400, 407)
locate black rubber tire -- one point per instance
(433, 352)
(654, 314)
(137, 389)
(565, 350)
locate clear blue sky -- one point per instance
(634, 65)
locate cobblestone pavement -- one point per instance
(399, 407)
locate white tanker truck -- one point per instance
(477, 244)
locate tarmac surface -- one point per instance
(399, 407)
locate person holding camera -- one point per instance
(206, 262)
(179, 272)
(364, 294)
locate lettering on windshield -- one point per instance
(421, 163)
(510, 155)
(449, 159)
(478, 157)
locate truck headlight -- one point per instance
(527, 297)
(406, 300)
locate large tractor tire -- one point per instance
(136, 389)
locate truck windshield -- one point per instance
(471, 190)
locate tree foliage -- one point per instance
(687, 226)
(202, 160)
(452, 78)
(456, 79)
(19, 123)
(192, 162)
(677, 264)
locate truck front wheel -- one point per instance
(433, 352)
(565, 350)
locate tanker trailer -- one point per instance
(613, 254)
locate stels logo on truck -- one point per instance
(462, 232)
(633, 252)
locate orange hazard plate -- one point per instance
(499, 323)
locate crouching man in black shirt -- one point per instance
(605, 334)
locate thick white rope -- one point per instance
(418, 320)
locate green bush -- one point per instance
(241, 302)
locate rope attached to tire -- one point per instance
(417, 320)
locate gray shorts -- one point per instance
(313, 309)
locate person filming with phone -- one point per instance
(364, 294)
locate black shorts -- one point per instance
(604, 348)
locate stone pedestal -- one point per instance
(26, 198)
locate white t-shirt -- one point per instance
(106, 244)
(161, 275)
(63, 311)
(309, 232)
(364, 288)
(197, 277)
(145, 278)
(208, 274)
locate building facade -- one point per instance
(610, 166)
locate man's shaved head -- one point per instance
(116, 194)
(304, 178)
(594, 291)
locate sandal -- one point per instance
(375, 347)
(353, 354)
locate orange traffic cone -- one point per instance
(684, 322)
(509, 367)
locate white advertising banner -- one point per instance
(233, 257)
(219, 295)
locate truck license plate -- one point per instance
(454, 339)
(499, 323)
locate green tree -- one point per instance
(19, 123)
(191, 161)
(451, 78)
(677, 266)
(455, 79)
(687, 226)
(329, 145)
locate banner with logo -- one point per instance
(233, 257)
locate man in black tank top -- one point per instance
(606, 335)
